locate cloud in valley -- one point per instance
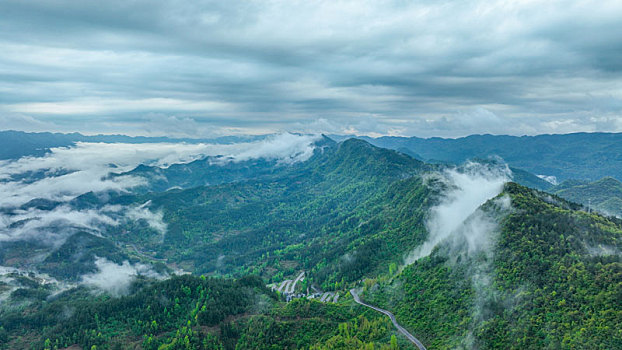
(116, 279)
(154, 220)
(70, 171)
(286, 148)
(50, 226)
(67, 172)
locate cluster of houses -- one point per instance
(288, 288)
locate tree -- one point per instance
(394, 342)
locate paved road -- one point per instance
(336, 297)
(284, 284)
(292, 286)
(392, 317)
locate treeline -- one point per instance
(195, 313)
(167, 313)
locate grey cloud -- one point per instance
(266, 66)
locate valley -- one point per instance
(313, 175)
(259, 253)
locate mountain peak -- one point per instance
(324, 141)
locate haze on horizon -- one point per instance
(211, 68)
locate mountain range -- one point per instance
(585, 156)
(200, 254)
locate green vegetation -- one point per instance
(604, 195)
(187, 312)
(589, 156)
(313, 325)
(77, 255)
(168, 315)
(341, 215)
(550, 281)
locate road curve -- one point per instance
(284, 284)
(392, 317)
(292, 286)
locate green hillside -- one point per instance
(527, 270)
(552, 280)
(344, 199)
(188, 312)
(604, 195)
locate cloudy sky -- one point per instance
(208, 68)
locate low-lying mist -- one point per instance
(463, 191)
(54, 180)
(114, 278)
(465, 231)
(67, 172)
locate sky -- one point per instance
(394, 67)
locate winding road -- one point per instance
(289, 286)
(144, 255)
(292, 286)
(326, 296)
(284, 284)
(392, 317)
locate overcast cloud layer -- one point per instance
(206, 68)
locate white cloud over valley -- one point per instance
(67, 172)
(116, 278)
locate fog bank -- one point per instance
(463, 191)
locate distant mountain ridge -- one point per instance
(584, 156)
(604, 195)
(16, 144)
(588, 156)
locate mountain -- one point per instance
(189, 312)
(298, 217)
(155, 314)
(17, 144)
(462, 260)
(588, 156)
(528, 179)
(239, 217)
(517, 175)
(213, 170)
(551, 278)
(604, 195)
(77, 255)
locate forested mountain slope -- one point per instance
(187, 312)
(604, 195)
(525, 270)
(550, 278)
(306, 216)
